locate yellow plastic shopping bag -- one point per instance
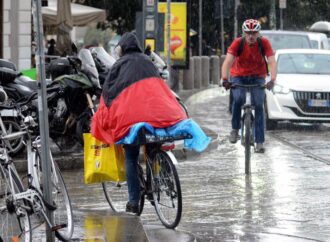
(102, 162)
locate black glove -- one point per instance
(270, 85)
(226, 84)
(147, 51)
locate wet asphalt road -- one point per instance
(286, 198)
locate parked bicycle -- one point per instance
(159, 181)
(247, 124)
(17, 203)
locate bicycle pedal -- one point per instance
(60, 226)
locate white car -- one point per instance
(302, 90)
(318, 40)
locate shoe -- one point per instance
(260, 148)
(131, 208)
(233, 137)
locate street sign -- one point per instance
(150, 19)
(150, 25)
(282, 3)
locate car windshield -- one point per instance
(288, 41)
(303, 63)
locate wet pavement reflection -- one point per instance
(286, 198)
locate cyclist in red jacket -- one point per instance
(249, 67)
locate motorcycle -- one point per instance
(71, 94)
(103, 62)
(71, 109)
(10, 79)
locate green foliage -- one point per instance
(120, 13)
(299, 15)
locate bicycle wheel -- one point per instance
(247, 141)
(116, 193)
(12, 226)
(63, 216)
(63, 213)
(166, 189)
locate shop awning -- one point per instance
(81, 15)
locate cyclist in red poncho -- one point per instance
(133, 92)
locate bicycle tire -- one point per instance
(12, 226)
(247, 141)
(116, 194)
(166, 189)
(63, 215)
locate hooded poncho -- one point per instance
(133, 92)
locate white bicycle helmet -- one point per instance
(251, 25)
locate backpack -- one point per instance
(260, 46)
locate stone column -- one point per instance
(197, 72)
(188, 76)
(215, 69)
(205, 71)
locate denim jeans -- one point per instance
(257, 98)
(131, 162)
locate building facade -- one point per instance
(16, 32)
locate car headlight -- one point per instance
(280, 89)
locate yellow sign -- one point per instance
(178, 35)
(150, 42)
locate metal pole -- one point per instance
(43, 113)
(281, 18)
(169, 39)
(222, 30)
(272, 15)
(200, 27)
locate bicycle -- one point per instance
(159, 181)
(17, 204)
(247, 123)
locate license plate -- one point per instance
(318, 103)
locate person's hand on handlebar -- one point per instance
(226, 84)
(270, 84)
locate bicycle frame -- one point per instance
(31, 200)
(34, 187)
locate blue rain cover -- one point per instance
(199, 141)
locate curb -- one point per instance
(160, 234)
